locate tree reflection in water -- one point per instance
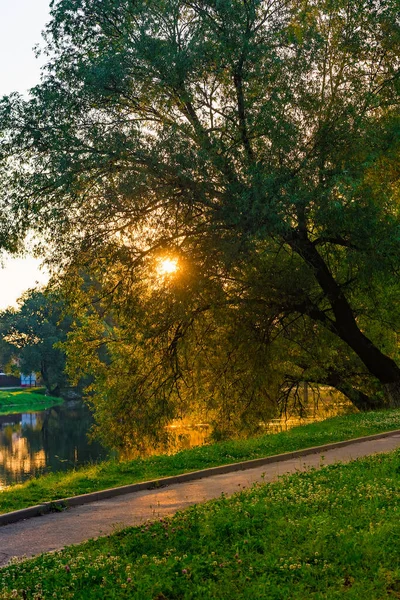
(51, 440)
(56, 439)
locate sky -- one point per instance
(21, 23)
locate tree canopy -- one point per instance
(29, 336)
(256, 143)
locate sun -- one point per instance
(167, 266)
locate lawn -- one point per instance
(113, 473)
(25, 400)
(327, 534)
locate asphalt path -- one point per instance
(54, 531)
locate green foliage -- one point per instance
(257, 144)
(92, 478)
(321, 534)
(30, 334)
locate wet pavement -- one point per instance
(53, 531)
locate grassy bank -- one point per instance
(324, 534)
(113, 473)
(25, 400)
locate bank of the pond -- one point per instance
(112, 473)
(26, 400)
(330, 533)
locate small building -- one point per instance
(28, 380)
(8, 380)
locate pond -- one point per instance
(50, 440)
(56, 439)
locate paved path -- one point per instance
(53, 531)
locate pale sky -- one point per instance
(21, 23)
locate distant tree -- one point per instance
(29, 335)
(255, 142)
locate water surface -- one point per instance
(54, 439)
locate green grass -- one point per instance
(25, 400)
(112, 473)
(323, 535)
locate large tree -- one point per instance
(254, 141)
(29, 335)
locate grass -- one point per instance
(25, 400)
(323, 535)
(112, 473)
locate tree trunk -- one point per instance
(55, 391)
(392, 391)
(43, 372)
(46, 380)
(344, 324)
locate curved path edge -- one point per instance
(64, 503)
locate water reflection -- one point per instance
(56, 439)
(186, 434)
(51, 440)
(317, 410)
